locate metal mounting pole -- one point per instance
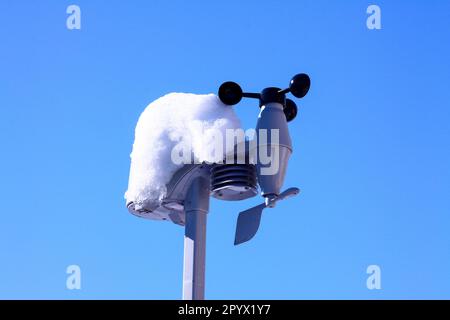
(196, 208)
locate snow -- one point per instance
(170, 120)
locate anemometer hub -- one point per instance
(271, 94)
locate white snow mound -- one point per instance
(171, 119)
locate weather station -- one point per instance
(187, 193)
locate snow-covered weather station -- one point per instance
(161, 187)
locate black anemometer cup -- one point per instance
(230, 93)
(299, 85)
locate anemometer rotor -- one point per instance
(231, 93)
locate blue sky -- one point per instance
(371, 146)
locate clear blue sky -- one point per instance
(371, 146)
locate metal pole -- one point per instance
(196, 208)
